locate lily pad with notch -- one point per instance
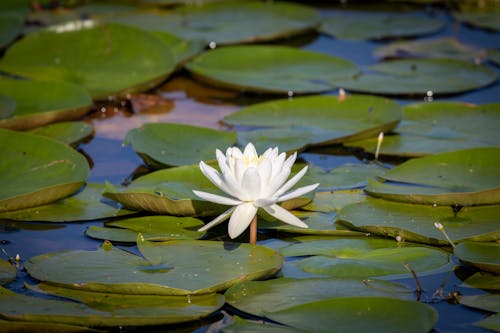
(183, 267)
(481, 255)
(70, 132)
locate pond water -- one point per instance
(195, 103)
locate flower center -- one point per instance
(252, 160)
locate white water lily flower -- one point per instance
(253, 182)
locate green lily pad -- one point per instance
(107, 59)
(347, 176)
(170, 191)
(7, 107)
(86, 205)
(483, 280)
(270, 69)
(318, 120)
(157, 228)
(39, 103)
(182, 49)
(169, 268)
(481, 255)
(108, 310)
(489, 302)
(463, 177)
(228, 22)
(240, 325)
(37, 170)
(168, 144)
(430, 128)
(260, 297)
(71, 132)
(419, 76)
(444, 47)
(364, 257)
(318, 224)
(332, 201)
(10, 27)
(482, 15)
(494, 56)
(490, 323)
(378, 25)
(20, 326)
(8, 272)
(415, 223)
(359, 314)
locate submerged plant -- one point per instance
(253, 182)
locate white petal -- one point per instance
(241, 218)
(216, 198)
(290, 160)
(232, 186)
(250, 151)
(264, 202)
(276, 182)
(283, 215)
(250, 184)
(265, 169)
(292, 181)
(219, 219)
(297, 192)
(278, 164)
(239, 169)
(215, 177)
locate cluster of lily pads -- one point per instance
(368, 222)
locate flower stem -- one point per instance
(253, 231)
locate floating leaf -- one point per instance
(444, 47)
(327, 202)
(107, 310)
(359, 314)
(37, 170)
(415, 223)
(170, 268)
(483, 280)
(170, 191)
(347, 176)
(485, 16)
(240, 325)
(39, 103)
(489, 302)
(429, 128)
(494, 56)
(86, 205)
(490, 323)
(378, 25)
(318, 224)
(418, 76)
(167, 144)
(8, 272)
(71, 132)
(7, 107)
(260, 297)
(21, 326)
(10, 27)
(462, 177)
(228, 22)
(314, 120)
(157, 228)
(107, 59)
(364, 257)
(270, 69)
(481, 255)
